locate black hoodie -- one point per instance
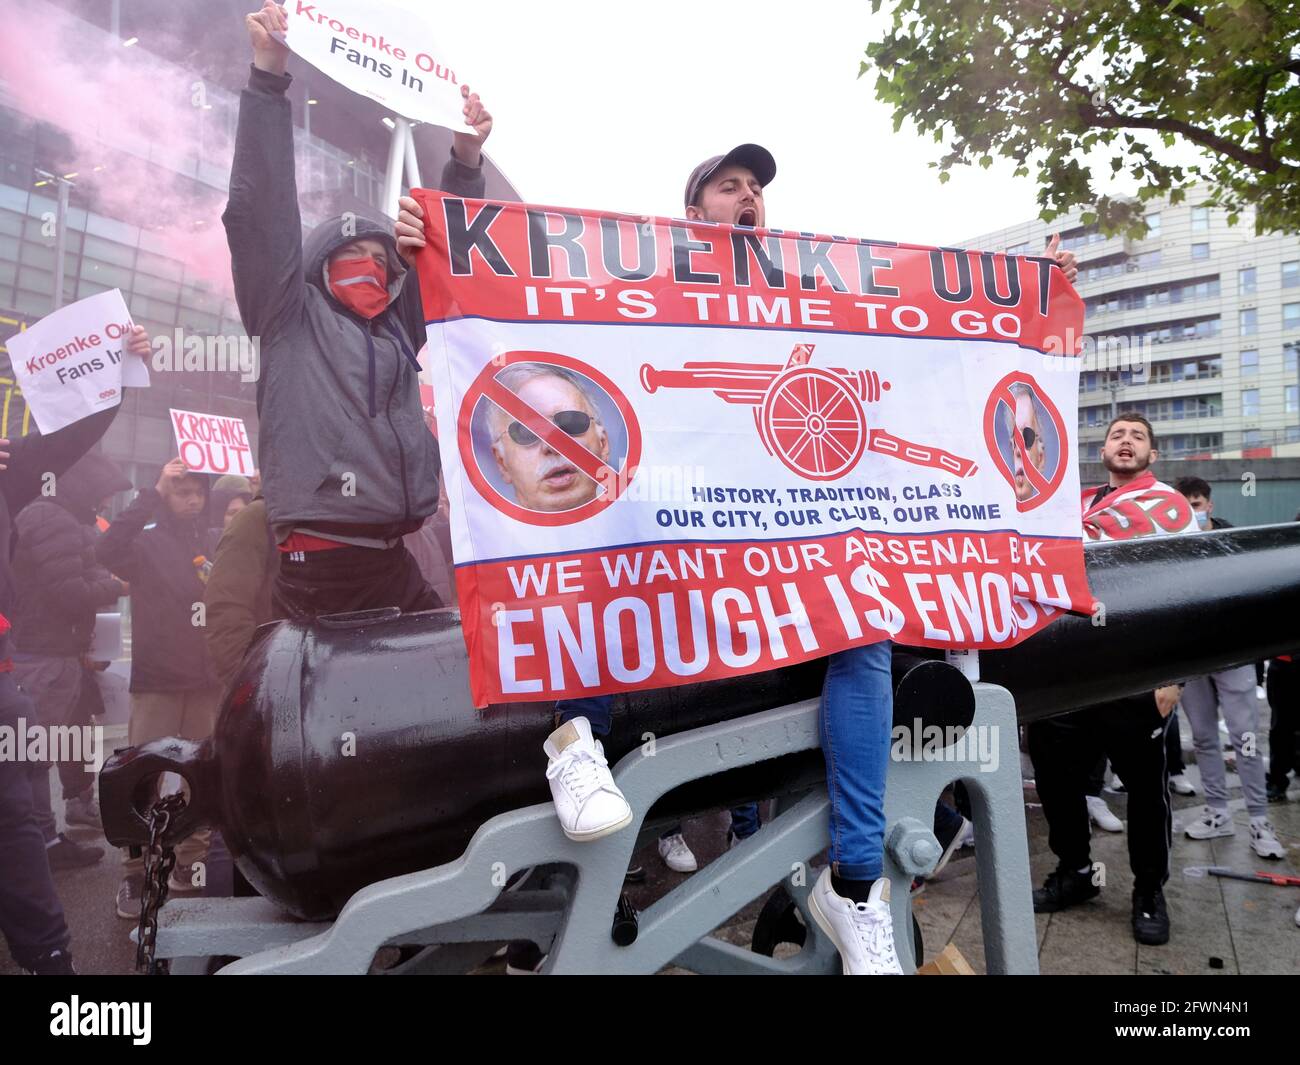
(31, 459)
(342, 443)
(58, 584)
(155, 551)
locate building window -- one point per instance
(1200, 219)
(1252, 438)
(1153, 224)
(1247, 322)
(1250, 364)
(1292, 433)
(1291, 357)
(1200, 251)
(1021, 249)
(1291, 274)
(1250, 402)
(1291, 316)
(1291, 399)
(1246, 281)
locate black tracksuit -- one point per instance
(1131, 733)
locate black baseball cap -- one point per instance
(753, 156)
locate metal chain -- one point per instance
(158, 864)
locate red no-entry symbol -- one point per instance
(592, 483)
(1032, 463)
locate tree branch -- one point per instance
(1112, 119)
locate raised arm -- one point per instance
(117, 549)
(26, 464)
(263, 225)
(462, 175)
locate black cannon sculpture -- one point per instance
(309, 824)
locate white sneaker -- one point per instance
(84, 811)
(1099, 814)
(1180, 785)
(863, 932)
(1264, 839)
(587, 801)
(1212, 823)
(677, 855)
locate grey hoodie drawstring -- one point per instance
(370, 350)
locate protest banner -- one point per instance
(212, 443)
(676, 451)
(70, 364)
(387, 52)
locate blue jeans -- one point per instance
(596, 709)
(856, 717)
(31, 916)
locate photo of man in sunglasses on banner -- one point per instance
(527, 467)
(1025, 443)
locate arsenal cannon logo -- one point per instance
(813, 420)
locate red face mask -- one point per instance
(360, 285)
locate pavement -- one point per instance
(1218, 926)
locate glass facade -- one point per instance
(167, 278)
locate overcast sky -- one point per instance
(610, 105)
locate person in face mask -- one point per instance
(1198, 493)
(347, 464)
(1230, 693)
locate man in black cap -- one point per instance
(729, 188)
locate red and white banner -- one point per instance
(676, 451)
(212, 443)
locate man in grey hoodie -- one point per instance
(348, 465)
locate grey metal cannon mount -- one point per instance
(371, 805)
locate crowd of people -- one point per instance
(347, 514)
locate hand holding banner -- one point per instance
(677, 451)
(74, 362)
(384, 51)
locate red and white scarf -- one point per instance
(1143, 507)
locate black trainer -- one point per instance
(1274, 792)
(1064, 888)
(65, 854)
(52, 963)
(1150, 917)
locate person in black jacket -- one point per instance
(31, 916)
(59, 586)
(162, 546)
(348, 467)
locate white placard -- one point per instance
(212, 443)
(389, 52)
(73, 363)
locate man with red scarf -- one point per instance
(1129, 731)
(348, 466)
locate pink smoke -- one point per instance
(134, 121)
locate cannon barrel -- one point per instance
(737, 382)
(348, 751)
(1170, 608)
